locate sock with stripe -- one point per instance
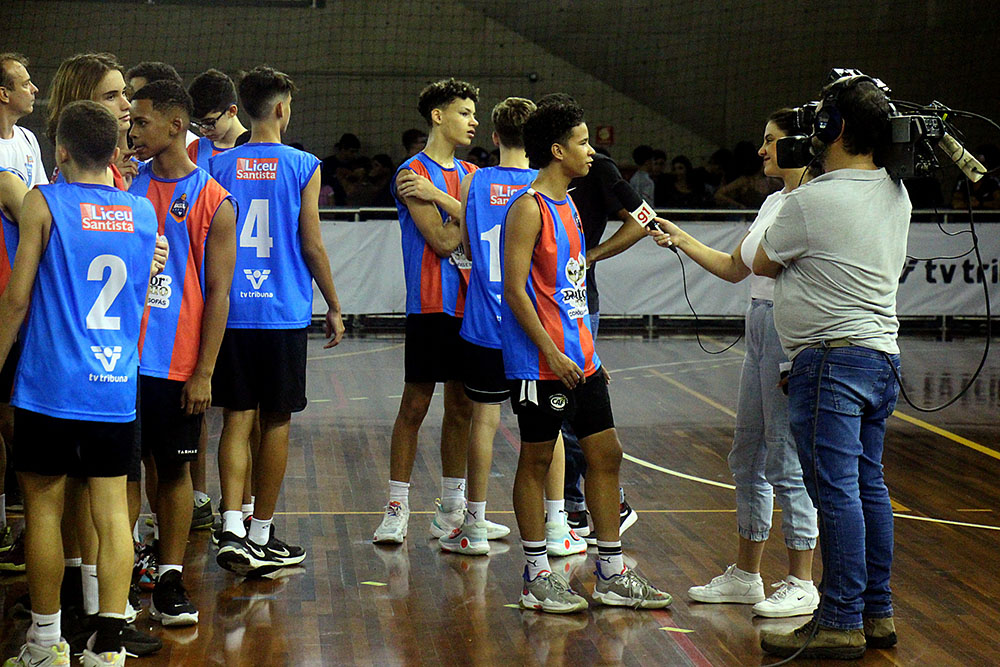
(536, 558)
(609, 559)
(452, 493)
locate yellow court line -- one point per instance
(700, 396)
(983, 449)
(354, 354)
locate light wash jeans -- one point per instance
(764, 461)
(857, 393)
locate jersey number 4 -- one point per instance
(256, 230)
(98, 317)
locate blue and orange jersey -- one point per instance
(202, 151)
(557, 287)
(80, 355)
(171, 325)
(272, 285)
(9, 234)
(433, 284)
(486, 207)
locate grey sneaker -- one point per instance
(548, 592)
(630, 589)
(392, 530)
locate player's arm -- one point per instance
(220, 262)
(314, 253)
(12, 191)
(442, 238)
(35, 223)
(524, 224)
(411, 184)
(726, 266)
(466, 185)
(627, 236)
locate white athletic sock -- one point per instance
(200, 498)
(475, 511)
(610, 561)
(260, 530)
(247, 510)
(452, 493)
(162, 569)
(232, 522)
(399, 492)
(156, 527)
(91, 597)
(3, 506)
(554, 511)
(535, 558)
(72, 562)
(46, 629)
(743, 575)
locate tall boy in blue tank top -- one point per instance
(549, 356)
(80, 425)
(262, 363)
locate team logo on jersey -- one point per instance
(159, 291)
(179, 209)
(29, 166)
(256, 168)
(576, 296)
(108, 356)
(106, 218)
(501, 193)
(257, 276)
(558, 402)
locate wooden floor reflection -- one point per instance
(356, 603)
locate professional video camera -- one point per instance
(913, 133)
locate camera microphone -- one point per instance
(637, 207)
(966, 161)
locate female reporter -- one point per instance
(763, 460)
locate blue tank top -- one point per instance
(202, 151)
(80, 358)
(557, 287)
(272, 285)
(490, 191)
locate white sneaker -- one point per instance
(392, 530)
(468, 539)
(33, 654)
(728, 587)
(496, 531)
(444, 523)
(109, 659)
(561, 540)
(794, 597)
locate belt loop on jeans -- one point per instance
(834, 342)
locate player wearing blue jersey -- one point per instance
(82, 425)
(183, 326)
(548, 354)
(262, 363)
(215, 109)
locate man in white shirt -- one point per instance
(18, 146)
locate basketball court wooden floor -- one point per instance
(355, 603)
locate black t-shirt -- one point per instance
(596, 202)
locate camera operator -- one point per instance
(836, 250)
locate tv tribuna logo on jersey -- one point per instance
(576, 296)
(108, 356)
(256, 168)
(256, 278)
(106, 218)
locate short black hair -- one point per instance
(166, 95)
(89, 131)
(384, 160)
(212, 91)
(154, 71)
(865, 110)
(348, 141)
(411, 136)
(260, 86)
(642, 154)
(440, 94)
(552, 123)
(508, 119)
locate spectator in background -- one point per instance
(478, 156)
(684, 189)
(641, 180)
(414, 141)
(986, 191)
(750, 188)
(379, 176)
(494, 159)
(717, 172)
(336, 166)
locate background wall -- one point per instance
(685, 76)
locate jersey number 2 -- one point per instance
(257, 220)
(98, 317)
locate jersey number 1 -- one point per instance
(257, 221)
(98, 317)
(492, 238)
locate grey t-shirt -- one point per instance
(841, 239)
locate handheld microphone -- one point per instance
(637, 207)
(966, 161)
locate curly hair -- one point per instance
(440, 93)
(552, 123)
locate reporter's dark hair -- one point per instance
(440, 93)
(89, 131)
(212, 91)
(154, 71)
(166, 95)
(260, 87)
(508, 119)
(865, 110)
(552, 123)
(785, 119)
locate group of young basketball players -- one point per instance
(161, 273)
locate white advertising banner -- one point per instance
(646, 279)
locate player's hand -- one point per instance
(566, 369)
(412, 184)
(333, 328)
(160, 254)
(196, 396)
(605, 374)
(128, 166)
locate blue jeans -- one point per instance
(842, 471)
(576, 464)
(764, 460)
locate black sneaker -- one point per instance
(217, 529)
(264, 557)
(288, 554)
(577, 522)
(139, 643)
(626, 517)
(202, 516)
(170, 604)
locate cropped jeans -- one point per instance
(763, 460)
(852, 390)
